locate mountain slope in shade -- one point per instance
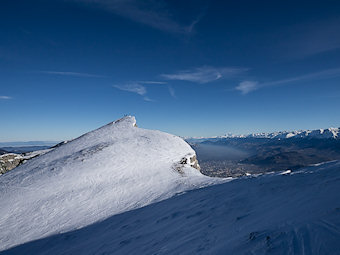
(110, 170)
(287, 213)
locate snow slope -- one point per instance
(287, 213)
(113, 169)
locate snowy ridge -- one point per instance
(115, 168)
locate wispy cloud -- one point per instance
(248, 86)
(5, 97)
(154, 13)
(148, 99)
(172, 91)
(325, 74)
(153, 82)
(72, 74)
(309, 39)
(132, 87)
(138, 87)
(204, 74)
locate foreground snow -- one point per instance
(291, 213)
(113, 169)
(97, 193)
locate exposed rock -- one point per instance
(9, 161)
(188, 160)
(194, 163)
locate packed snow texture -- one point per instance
(289, 213)
(113, 169)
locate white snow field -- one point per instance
(296, 213)
(110, 170)
(76, 200)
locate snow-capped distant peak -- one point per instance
(329, 133)
(318, 133)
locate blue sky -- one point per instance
(192, 68)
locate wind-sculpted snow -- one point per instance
(110, 170)
(286, 213)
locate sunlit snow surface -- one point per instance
(280, 213)
(113, 169)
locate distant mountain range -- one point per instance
(329, 133)
(28, 143)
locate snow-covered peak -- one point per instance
(110, 170)
(113, 130)
(126, 122)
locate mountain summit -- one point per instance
(110, 170)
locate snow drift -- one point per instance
(110, 170)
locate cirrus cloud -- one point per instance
(152, 13)
(204, 74)
(5, 97)
(76, 74)
(133, 87)
(138, 87)
(247, 86)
